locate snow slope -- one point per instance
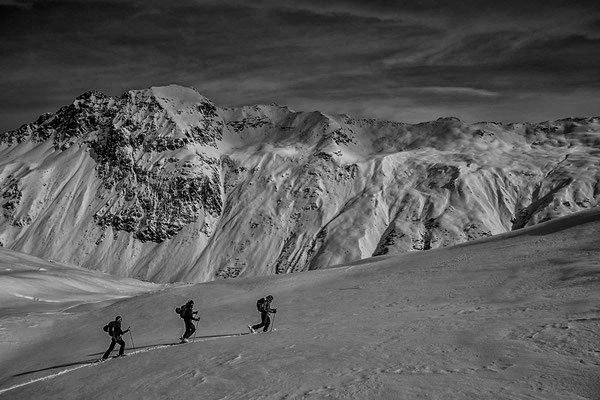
(30, 283)
(160, 184)
(34, 291)
(513, 316)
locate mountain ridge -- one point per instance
(163, 185)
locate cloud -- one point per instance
(453, 91)
(360, 54)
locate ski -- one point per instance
(109, 358)
(253, 331)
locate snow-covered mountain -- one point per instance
(161, 184)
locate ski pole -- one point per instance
(196, 331)
(131, 336)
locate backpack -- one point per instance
(181, 310)
(110, 328)
(260, 305)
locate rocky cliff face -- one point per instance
(161, 184)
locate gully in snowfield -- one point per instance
(187, 313)
(114, 330)
(264, 307)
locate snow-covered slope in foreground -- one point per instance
(33, 291)
(514, 316)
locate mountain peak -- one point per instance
(91, 95)
(180, 95)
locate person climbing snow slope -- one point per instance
(263, 306)
(187, 313)
(114, 330)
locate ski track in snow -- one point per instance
(96, 362)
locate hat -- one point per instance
(118, 318)
(190, 302)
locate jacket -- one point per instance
(188, 313)
(117, 331)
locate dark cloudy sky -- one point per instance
(411, 60)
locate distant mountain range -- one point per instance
(161, 184)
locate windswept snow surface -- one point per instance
(33, 292)
(29, 284)
(514, 316)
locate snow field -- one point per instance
(513, 316)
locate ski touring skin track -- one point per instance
(96, 362)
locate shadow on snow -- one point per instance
(150, 346)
